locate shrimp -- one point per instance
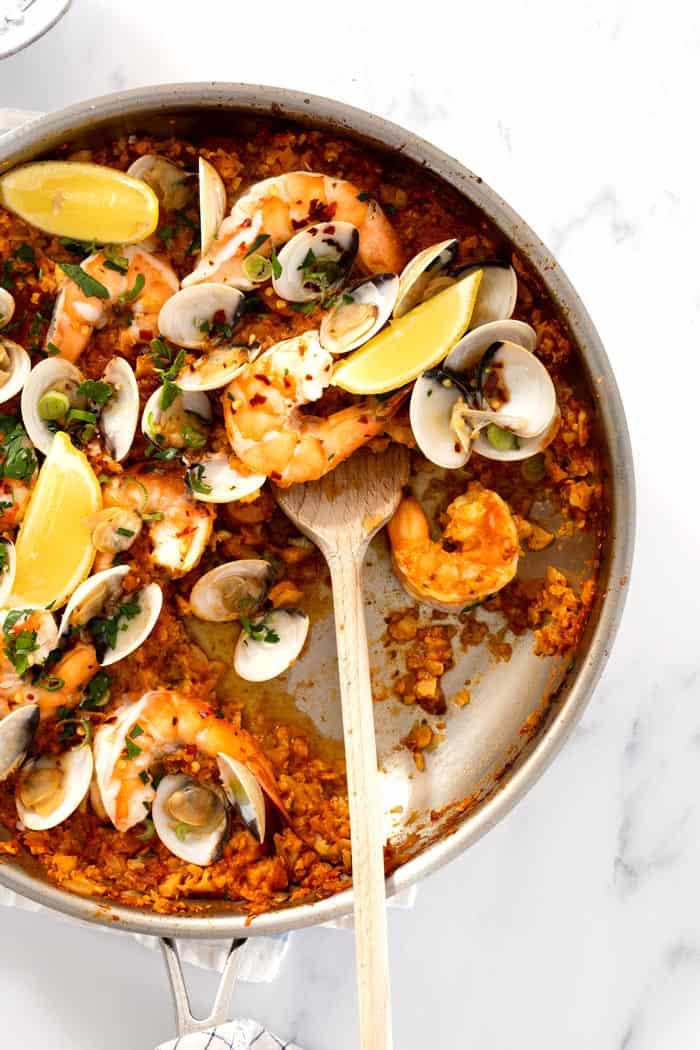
(269, 433)
(67, 677)
(278, 207)
(166, 721)
(179, 525)
(477, 556)
(76, 314)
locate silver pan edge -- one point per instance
(150, 109)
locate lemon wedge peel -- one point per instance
(54, 546)
(86, 202)
(412, 344)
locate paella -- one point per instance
(187, 326)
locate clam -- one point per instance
(56, 395)
(190, 317)
(120, 415)
(39, 621)
(467, 353)
(212, 203)
(169, 182)
(7, 307)
(359, 313)
(16, 733)
(231, 590)
(316, 261)
(244, 793)
(190, 819)
(492, 395)
(8, 568)
(48, 395)
(182, 424)
(15, 366)
(216, 369)
(114, 529)
(498, 292)
(52, 787)
(433, 399)
(269, 644)
(130, 617)
(425, 274)
(212, 479)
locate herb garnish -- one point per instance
(133, 293)
(96, 692)
(259, 631)
(87, 284)
(18, 457)
(105, 630)
(20, 645)
(259, 240)
(114, 261)
(4, 558)
(25, 252)
(96, 391)
(194, 479)
(276, 266)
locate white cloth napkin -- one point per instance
(236, 1035)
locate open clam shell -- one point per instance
(16, 734)
(189, 317)
(7, 307)
(243, 793)
(270, 645)
(529, 392)
(316, 261)
(100, 596)
(215, 369)
(212, 203)
(466, 354)
(212, 479)
(359, 313)
(190, 411)
(170, 183)
(422, 275)
(52, 374)
(8, 568)
(522, 448)
(191, 819)
(498, 292)
(234, 589)
(15, 366)
(120, 416)
(430, 412)
(50, 788)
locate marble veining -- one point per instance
(574, 923)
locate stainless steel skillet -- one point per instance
(485, 755)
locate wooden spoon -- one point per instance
(341, 513)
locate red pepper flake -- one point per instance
(219, 317)
(257, 399)
(263, 379)
(145, 334)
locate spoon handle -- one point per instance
(371, 948)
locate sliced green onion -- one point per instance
(53, 405)
(82, 416)
(257, 268)
(501, 439)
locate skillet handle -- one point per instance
(186, 1023)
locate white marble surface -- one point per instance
(575, 923)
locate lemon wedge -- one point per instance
(54, 545)
(87, 202)
(411, 344)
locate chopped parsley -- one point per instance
(105, 630)
(25, 253)
(4, 558)
(96, 692)
(96, 391)
(114, 261)
(75, 247)
(87, 284)
(364, 196)
(259, 631)
(18, 459)
(149, 830)
(21, 644)
(132, 750)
